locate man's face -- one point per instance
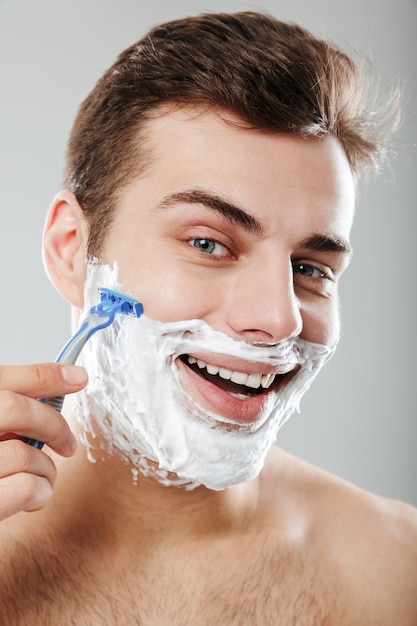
(243, 229)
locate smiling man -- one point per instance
(211, 174)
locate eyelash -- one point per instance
(215, 243)
(320, 273)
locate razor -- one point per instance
(100, 316)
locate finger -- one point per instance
(16, 457)
(42, 379)
(26, 417)
(23, 492)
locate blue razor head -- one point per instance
(118, 303)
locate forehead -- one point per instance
(267, 174)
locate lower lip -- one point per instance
(216, 400)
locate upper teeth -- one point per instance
(249, 380)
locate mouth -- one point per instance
(234, 394)
(238, 384)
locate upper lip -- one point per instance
(247, 373)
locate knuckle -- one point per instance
(9, 402)
(23, 492)
(19, 455)
(5, 371)
(28, 489)
(39, 493)
(44, 374)
(34, 491)
(59, 426)
(52, 425)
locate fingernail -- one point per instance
(74, 375)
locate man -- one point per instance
(211, 174)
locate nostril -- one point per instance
(262, 338)
(264, 308)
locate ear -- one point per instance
(65, 247)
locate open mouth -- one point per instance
(237, 384)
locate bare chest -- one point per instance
(223, 585)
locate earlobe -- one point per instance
(65, 247)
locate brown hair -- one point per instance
(272, 75)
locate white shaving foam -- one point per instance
(135, 398)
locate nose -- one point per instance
(262, 306)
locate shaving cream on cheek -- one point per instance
(136, 399)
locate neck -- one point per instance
(104, 494)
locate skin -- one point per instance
(295, 545)
(253, 284)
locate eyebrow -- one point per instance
(219, 205)
(236, 215)
(326, 243)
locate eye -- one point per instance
(308, 271)
(209, 246)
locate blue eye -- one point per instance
(209, 247)
(309, 271)
(205, 245)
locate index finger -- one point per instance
(42, 379)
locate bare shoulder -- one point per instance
(398, 524)
(366, 542)
(335, 501)
(376, 551)
(369, 521)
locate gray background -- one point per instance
(358, 420)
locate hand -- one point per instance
(27, 475)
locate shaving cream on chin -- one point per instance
(135, 398)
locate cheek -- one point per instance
(321, 324)
(168, 294)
